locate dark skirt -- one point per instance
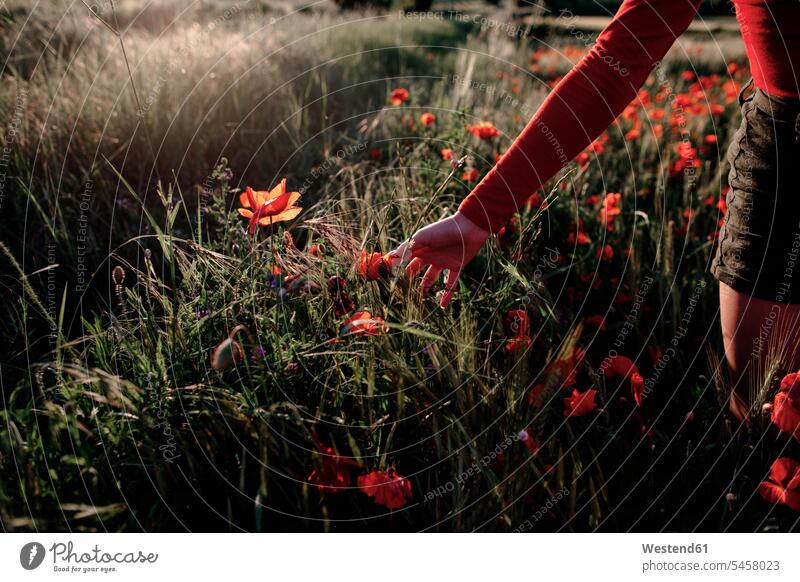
(758, 251)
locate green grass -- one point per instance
(118, 421)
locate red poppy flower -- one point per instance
(470, 175)
(618, 367)
(399, 96)
(484, 130)
(637, 388)
(786, 407)
(605, 252)
(581, 238)
(333, 473)
(783, 484)
(567, 368)
(386, 488)
(447, 154)
(341, 300)
(517, 322)
(610, 208)
(266, 208)
(535, 200)
(518, 344)
(362, 323)
(580, 403)
(374, 266)
(375, 154)
(427, 118)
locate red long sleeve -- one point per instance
(581, 107)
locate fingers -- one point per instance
(402, 253)
(450, 286)
(430, 278)
(414, 267)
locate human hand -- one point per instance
(448, 244)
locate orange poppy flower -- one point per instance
(265, 208)
(611, 208)
(447, 154)
(374, 266)
(483, 130)
(363, 324)
(427, 118)
(399, 96)
(470, 175)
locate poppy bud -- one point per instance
(225, 354)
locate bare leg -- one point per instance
(751, 329)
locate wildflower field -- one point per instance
(202, 329)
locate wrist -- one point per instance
(472, 210)
(461, 216)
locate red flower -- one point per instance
(580, 403)
(427, 118)
(632, 134)
(610, 208)
(535, 200)
(266, 208)
(517, 322)
(580, 239)
(484, 130)
(637, 388)
(470, 175)
(375, 154)
(618, 367)
(374, 266)
(447, 154)
(518, 344)
(386, 488)
(333, 473)
(783, 485)
(341, 300)
(605, 252)
(363, 324)
(786, 407)
(399, 96)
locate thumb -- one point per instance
(402, 253)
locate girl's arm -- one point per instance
(581, 107)
(578, 110)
